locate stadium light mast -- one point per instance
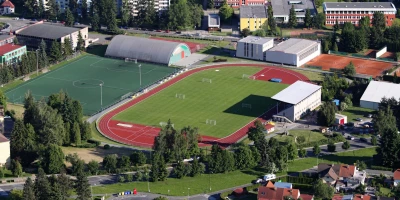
(140, 75)
(101, 95)
(37, 62)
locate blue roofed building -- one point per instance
(283, 185)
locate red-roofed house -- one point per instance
(7, 7)
(11, 53)
(306, 197)
(396, 177)
(269, 192)
(269, 128)
(5, 151)
(342, 175)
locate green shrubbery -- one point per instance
(335, 139)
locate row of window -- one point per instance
(19, 51)
(346, 17)
(353, 22)
(357, 12)
(313, 104)
(309, 52)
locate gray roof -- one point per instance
(376, 90)
(256, 40)
(282, 7)
(296, 92)
(294, 46)
(359, 5)
(213, 20)
(253, 12)
(4, 37)
(149, 50)
(47, 31)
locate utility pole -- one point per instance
(37, 62)
(101, 95)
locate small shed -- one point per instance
(336, 102)
(340, 119)
(269, 128)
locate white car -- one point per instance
(269, 177)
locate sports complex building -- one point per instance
(377, 90)
(253, 47)
(147, 50)
(297, 100)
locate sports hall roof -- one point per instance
(376, 90)
(156, 51)
(296, 92)
(293, 46)
(256, 40)
(46, 31)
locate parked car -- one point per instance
(259, 180)
(350, 137)
(359, 119)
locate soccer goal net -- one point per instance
(163, 124)
(131, 60)
(211, 122)
(207, 80)
(127, 95)
(246, 76)
(180, 96)
(246, 105)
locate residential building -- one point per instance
(396, 177)
(11, 53)
(282, 8)
(342, 176)
(7, 7)
(5, 151)
(272, 192)
(297, 100)
(159, 5)
(253, 47)
(240, 3)
(294, 51)
(32, 35)
(376, 90)
(214, 22)
(353, 11)
(252, 17)
(6, 39)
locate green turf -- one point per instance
(355, 112)
(310, 136)
(81, 79)
(220, 100)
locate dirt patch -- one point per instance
(309, 32)
(97, 154)
(19, 110)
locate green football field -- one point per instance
(82, 78)
(229, 99)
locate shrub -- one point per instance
(91, 141)
(107, 146)
(331, 146)
(87, 145)
(253, 187)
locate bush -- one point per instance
(87, 145)
(107, 146)
(336, 138)
(91, 141)
(331, 147)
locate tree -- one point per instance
(39, 9)
(197, 168)
(225, 12)
(150, 16)
(76, 133)
(93, 167)
(245, 32)
(302, 153)
(22, 143)
(243, 157)
(350, 69)
(259, 32)
(80, 46)
(95, 22)
(69, 17)
(158, 170)
(55, 192)
(301, 139)
(378, 21)
(331, 146)
(84, 9)
(67, 47)
(123, 162)
(336, 26)
(43, 60)
(307, 19)
(29, 190)
(292, 18)
(322, 190)
(53, 159)
(326, 114)
(210, 4)
(389, 148)
(55, 51)
(319, 20)
(335, 47)
(129, 177)
(346, 145)
(42, 186)
(318, 3)
(138, 158)
(179, 170)
(364, 23)
(271, 20)
(292, 151)
(360, 189)
(343, 106)
(82, 187)
(3, 100)
(316, 150)
(16, 168)
(65, 185)
(78, 165)
(110, 163)
(361, 165)
(52, 9)
(86, 131)
(15, 40)
(16, 194)
(374, 141)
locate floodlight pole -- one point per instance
(140, 75)
(101, 95)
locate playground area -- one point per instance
(331, 62)
(96, 82)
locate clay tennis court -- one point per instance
(194, 47)
(143, 136)
(363, 66)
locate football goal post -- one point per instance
(246, 105)
(180, 96)
(163, 124)
(246, 76)
(211, 122)
(131, 60)
(206, 80)
(127, 95)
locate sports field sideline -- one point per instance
(82, 78)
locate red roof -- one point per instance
(337, 197)
(347, 170)
(267, 193)
(361, 197)
(306, 197)
(396, 174)
(8, 47)
(7, 3)
(269, 126)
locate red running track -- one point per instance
(143, 136)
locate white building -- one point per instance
(294, 52)
(282, 8)
(297, 100)
(5, 151)
(159, 5)
(7, 7)
(214, 22)
(340, 119)
(253, 47)
(376, 90)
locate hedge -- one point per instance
(87, 145)
(374, 167)
(91, 141)
(302, 187)
(336, 138)
(253, 187)
(300, 180)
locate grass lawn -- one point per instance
(19, 109)
(313, 76)
(355, 112)
(385, 191)
(97, 154)
(220, 100)
(310, 136)
(200, 184)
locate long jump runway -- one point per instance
(143, 136)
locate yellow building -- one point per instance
(252, 17)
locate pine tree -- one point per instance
(29, 190)
(292, 18)
(55, 191)
(86, 131)
(40, 10)
(67, 47)
(42, 186)
(335, 47)
(53, 159)
(52, 9)
(126, 10)
(95, 21)
(211, 4)
(308, 19)
(15, 41)
(151, 14)
(16, 168)
(65, 185)
(82, 187)
(81, 43)
(76, 133)
(84, 9)
(43, 60)
(55, 51)
(69, 17)
(271, 20)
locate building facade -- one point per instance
(159, 5)
(353, 11)
(282, 8)
(5, 151)
(252, 17)
(377, 90)
(239, 3)
(7, 7)
(253, 47)
(11, 53)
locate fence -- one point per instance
(337, 53)
(360, 55)
(386, 59)
(381, 52)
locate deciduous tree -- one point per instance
(326, 114)
(323, 190)
(110, 163)
(225, 12)
(346, 145)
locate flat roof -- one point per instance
(213, 20)
(255, 11)
(5, 37)
(8, 47)
(47, 31)
(376, 90)
(296, 92)
(358, 5)
(293, 46)
(256, 40)
(282, 7)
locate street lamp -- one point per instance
(101, 95)
(140, 75)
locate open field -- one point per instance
(367, 67)
(201, 184)
(19, 110)
(310, 136)
(92, 80)
(355, 112)
(220, 100)
(313, 76)
(97, 154)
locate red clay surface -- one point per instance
(372, 53)
(287, 76)
(363, 66)
(194, 47)
(143, 136)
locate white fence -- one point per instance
(381, 52)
